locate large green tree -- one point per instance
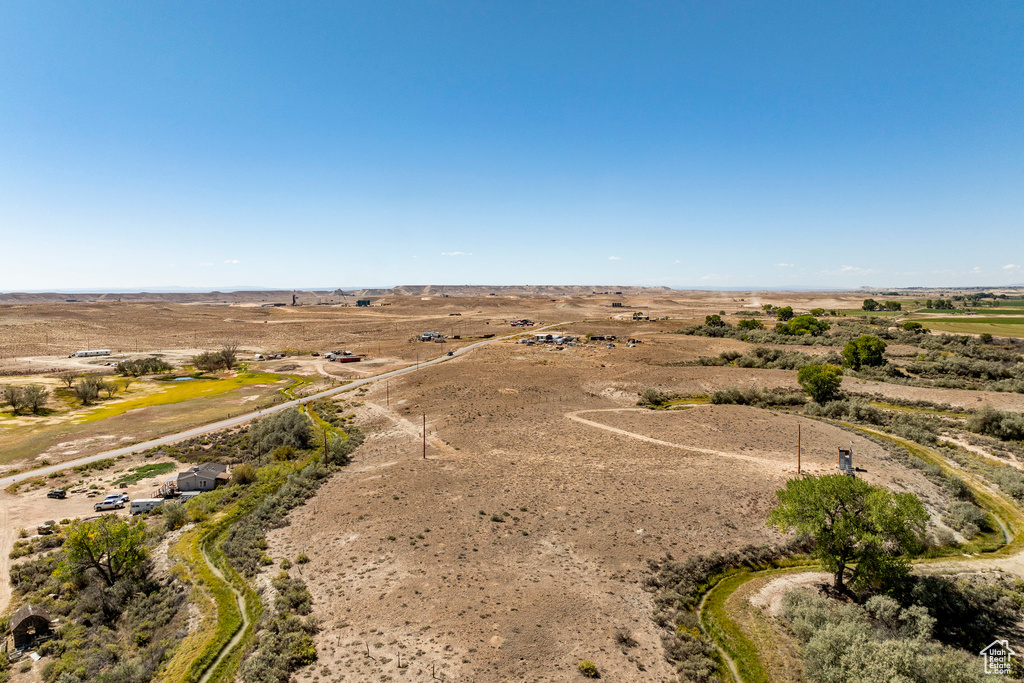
(801, 325)
(864, 350)
(110, 546)
(858, 528)
(821, 382)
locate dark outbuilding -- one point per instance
(30, 623)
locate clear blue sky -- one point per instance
(711, 144)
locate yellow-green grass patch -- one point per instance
(914, 409)
(176, 392)
(140, 424)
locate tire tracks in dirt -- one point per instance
(575, 417)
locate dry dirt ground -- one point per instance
(45, 332)
(521, 543)
(428, 558)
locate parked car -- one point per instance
(57, 493)
(124, 497)
(451, 353)
(112, 502)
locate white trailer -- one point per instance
(144, 505)
(92, 352)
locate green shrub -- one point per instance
(292, 594)
(881, 640)
(243, 474)
(1001, 425)
(175, 515)
(283, 453)
(821, 382)
(762, 398)
(588, 669)
(281, 648)
(303, 558)
(966, 518)
(286, 428)
(866, 350)
(652, 397)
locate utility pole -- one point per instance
(424, 436)
(798, 449)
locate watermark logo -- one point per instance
(997, 657)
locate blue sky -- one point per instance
(714, 144)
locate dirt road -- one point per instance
(247, 417)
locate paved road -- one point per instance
(246, 417)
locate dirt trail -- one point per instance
(575, 416)
(239, 634)
(734, 670)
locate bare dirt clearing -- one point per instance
(429, 558)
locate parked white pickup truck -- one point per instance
(111, 502)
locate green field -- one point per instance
(858, 311)
(999, 311)
(997, 327)
(137, 474)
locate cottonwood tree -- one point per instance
(110, 546)
(86, 391)
(865, 350)
(68, 377)
(821, 382)
(229, 355)
(858, 528)
(13, 396)
(34, 397)
(211, 361)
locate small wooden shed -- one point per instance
(29, 623)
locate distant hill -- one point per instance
(320, 296)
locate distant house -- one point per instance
(362, 303)
(205, 477)
(29, 623)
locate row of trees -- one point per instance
(212, 361)
(142, 366)
(822, 382)
(32, 397)
(872, 305)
